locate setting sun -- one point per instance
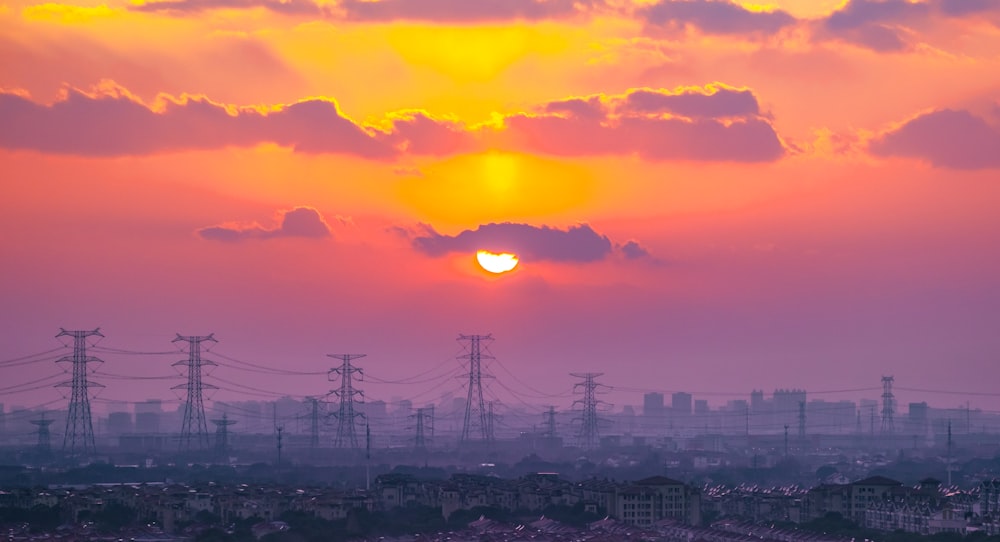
(496, 263)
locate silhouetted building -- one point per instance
(119, 423)
(680, 404)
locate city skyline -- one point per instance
(702, 196)
(227, 381)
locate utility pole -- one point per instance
(948, 464)
(368, 456)
(279, 430)
(475, 426)
(194, 428)
(222, 435)
(348, 413)
(79, 436)
(588, 435)
(888, 407)
(802, 422)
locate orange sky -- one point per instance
(704, 195)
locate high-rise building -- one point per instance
(701, 406)
(147, 416)
(652, 404)
(119, 423)
(680, 404)
(918, 418)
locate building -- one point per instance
(680, 404)
(119, 423)
(657, 498)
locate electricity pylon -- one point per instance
(44, 446)
(348, 413)
(79, 436)
(423, 426)
(888, 406)
(476, 424)
(194, 428)
(588, 435)
(222, 434)
(550, 423)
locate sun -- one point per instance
(496, 263)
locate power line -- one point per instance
(30, 356)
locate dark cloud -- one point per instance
(945, 138)
(887, 25)
(183, 7)
(115, 124)
(632, 250)
(297, 222)
(587, 108)
(713, 17)
(713, 101)
(574, 244)
(715, 123)
(458, 11)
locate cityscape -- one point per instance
(499, 271)
(462, 460)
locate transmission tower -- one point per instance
(79, 436)
(550, 423)
(44, 446)
(313, 422)
(194, 428)
(476, 425)
(348, 413)
(222, 434)
(888, 403)
(589, 421)
(423, 425)
(491, 419)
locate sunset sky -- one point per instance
(704, 195)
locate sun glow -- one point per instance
(496, 263)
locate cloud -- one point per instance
(720, 17)
(297, 222)
(458, 11)
(889, 25)
(946, 138)
(112, 122)
(713, 100)
(580, 243)
(711, 123)
(183, 7)
(632, 250)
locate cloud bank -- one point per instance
(298, 222)
(946, 138)
(711, 123)
(579, 244)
